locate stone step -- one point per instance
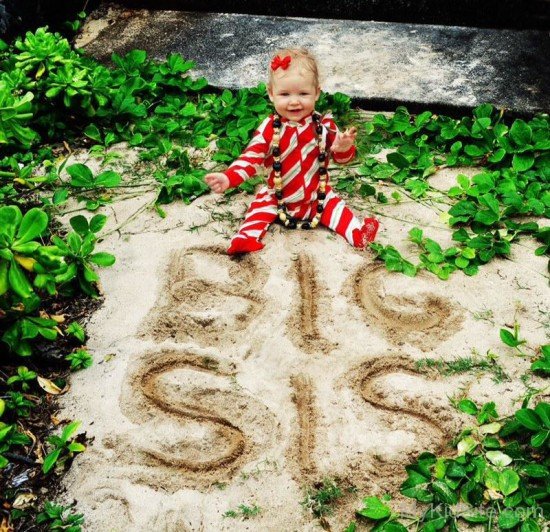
(526, 14)
(379, 64)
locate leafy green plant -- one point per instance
(79, 359)
(489, 206)
(18, 243)
(76, 24)
(443, 262)
(19, 404)
(461, 365)
(186, 184)
(393, 259)
(243, 512)
(63, 447)
(542, 364)
(319, 497)
(26, 328)
(15, 112)
(501, 472)
(375, 509)
(26, 265)
(512, 339)
(78, 250)
(75, 329)
(83, 178)
(10, 437)
(23, 378)
(59, 517)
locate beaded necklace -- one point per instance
(286, 219)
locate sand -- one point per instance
(223, 381)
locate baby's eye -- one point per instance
(284, 93)
(304, 93)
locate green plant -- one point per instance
(18, 243)
(465, 365)
(23, 378)
(443, 262)
(76, 330)
(186, 184)
(501, 472)
(83, 178)
(59, 517)
(393, 259)
(512, 339)
(542, 364)
(63, 447)
(76, 24)
(15, 112)
(10, 437)
(375, 509)
(78, 251)
(19, 404)
(319, 497)
(79, 359)
(243, 511)
(488, 207)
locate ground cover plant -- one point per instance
(497, 475)
(488, 211)
(53, 96)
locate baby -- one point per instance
(294, 145)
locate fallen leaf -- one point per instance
(5, 525)
(30, 435)
(59, 318)
(489, 428)
(23, 500)
(492, 495)
(55, 420)
(50, 387)
(109, 357)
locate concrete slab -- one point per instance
(379, 64)
(525, 14)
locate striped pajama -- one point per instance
(300, 174)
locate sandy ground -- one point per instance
(222, 381)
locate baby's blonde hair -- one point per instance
(299, 57)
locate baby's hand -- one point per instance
(344, 140)
(217, 181)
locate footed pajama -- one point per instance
(300, 165)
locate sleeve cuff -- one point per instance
(344, 156)
(234, 178)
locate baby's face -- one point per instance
(293, 93)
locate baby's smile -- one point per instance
(294, 94)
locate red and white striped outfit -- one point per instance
(300, 174)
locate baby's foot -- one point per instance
(367, 233)
(244, 245)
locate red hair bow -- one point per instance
(277, 62)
